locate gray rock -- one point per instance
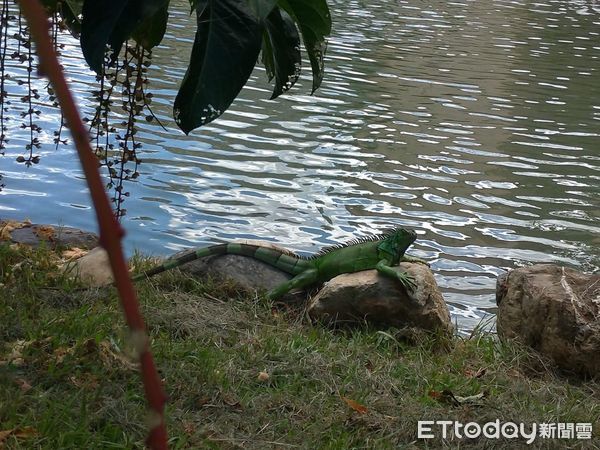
(93, 269)
(555, 310)
(367, 295)
(249, 273)
(54, 236)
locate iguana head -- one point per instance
(393, 246)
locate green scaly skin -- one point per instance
(381, 252)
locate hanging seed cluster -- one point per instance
(121, 101)
(20, 98)
(4, 18)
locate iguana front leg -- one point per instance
(304, 279)
(407, 281)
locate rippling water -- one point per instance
(475, 123)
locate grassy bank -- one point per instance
(241, 372)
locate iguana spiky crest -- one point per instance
(397, 235)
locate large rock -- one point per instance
(368, 295)
(93, 269)
(53, 236)
(555, 310)
(248, 273)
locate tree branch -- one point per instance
(110, 230)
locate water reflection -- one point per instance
(476, 123)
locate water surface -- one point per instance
(475, 123)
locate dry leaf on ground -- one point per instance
(45, 232)
(61, 352)
(15, 356)
(23, 384)
(17, 348)
(5, 233)
(361, 409)
(6, 226)
(263, 376)
(74, 253)
(23, 432)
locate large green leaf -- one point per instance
(261, 8)
(314, 21)
(69, 11)
(225, 50)
(112, 22)
(151, 31)
(281, 51)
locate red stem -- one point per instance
(110, 230)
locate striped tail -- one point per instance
(285, 262)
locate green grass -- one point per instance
(64, 372)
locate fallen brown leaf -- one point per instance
(361, 409)
(24, 432)
(6, 226)
(73, 253)
(23, 384)
(5, 234)
(263, 376)
(15, 357)
(436, 395)
(61, 353)
(45, 232)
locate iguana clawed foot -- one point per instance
(407, 281)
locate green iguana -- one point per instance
(379, 252)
